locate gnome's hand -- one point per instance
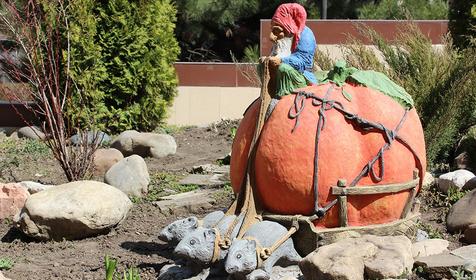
(275, 61)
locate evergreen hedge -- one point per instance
(122, 57)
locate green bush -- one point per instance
(125, 50)
(440, 80)
(462, 16)
(400, 9)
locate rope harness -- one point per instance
(327, 104)
(263, 253)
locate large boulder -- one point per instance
(12, 199)
(31, 132)
(73, 211)
(104, 159)
(374, 257)
(462, 213)
(130, 175)
(145, 144)
(456, 179)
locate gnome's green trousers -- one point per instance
(288, 79)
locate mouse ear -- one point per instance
(210, 235)
(251, 244)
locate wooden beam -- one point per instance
(377, 189)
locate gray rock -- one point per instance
(428, 181)
(104, 159)
(429, 247)
(470, 185)
(73, 211)
(91, 137)
(176, 231)
(182, 272)
(203, 180)
(242, 256)
(456, 179)
(421, 235)
(2, 277)
(31, 132)
(460, 216)
(130, 175)
(470, 234)
(186, 203)
(145, 144)
(438, 266)
(34, 187)
(376, 256)
(465, 252)
(211, 169)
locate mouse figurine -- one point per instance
(242, 259)
(176, 231)
(201, 245)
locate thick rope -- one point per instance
(326, 104)
(263, 253)
(216, 246)
(246, 203)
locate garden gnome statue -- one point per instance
(293, 50)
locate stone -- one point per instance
(91, 137)
(456, 179)
(145, 144)
(2, 277)
(12, 199)
(470, 185)
(130, 175)
(438, 266)
(375, 257)
(34, 187)
(393, 258)
(74, 210)
(421, 235)
(203, 180)
(470, 234)
(429, 247)
(460, 217)
(465, 252)
(428, 180)
(104, 159)
(185, 203)
(182, 272)
(211, 169)
(31, 132)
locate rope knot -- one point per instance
(265, 253)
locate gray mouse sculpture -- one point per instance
(200, 245)
(176, 231)
(242, 259)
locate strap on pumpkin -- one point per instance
(327, 104)
(216, 246)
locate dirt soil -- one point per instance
(133, 243)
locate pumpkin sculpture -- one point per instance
(284, 162)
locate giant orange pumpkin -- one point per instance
(284, 159)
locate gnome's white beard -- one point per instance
(282, 47)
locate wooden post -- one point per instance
(342, 204)
(411, 196)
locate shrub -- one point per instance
(440, 80)
(399, 9)
(128, 48)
